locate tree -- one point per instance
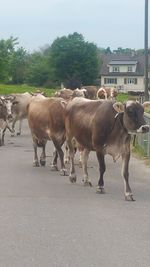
(18, 64)
(7, 48)
(74, 61)
(37, 72)
(108, 50)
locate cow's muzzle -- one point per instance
(143, 129)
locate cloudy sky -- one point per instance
(113, 23)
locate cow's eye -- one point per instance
(131, 112)
(15, 103)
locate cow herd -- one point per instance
(77, 119)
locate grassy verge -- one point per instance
(139, 153)
(9, 89)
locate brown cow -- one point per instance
(20, 103)
(91, 91)
(103, 126)
(5, 116)
(46, 122)
(64, 93)
(107, 93)
(69, 94)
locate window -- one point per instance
(130, 81)
(115, 69)
(130, 69)
(110, 80)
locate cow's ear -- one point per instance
(63, 103)
(146, 105)
(119, 107)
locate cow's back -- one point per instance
(46, 117)
(80, 114)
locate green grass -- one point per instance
(121, 97)
(9, 89)
(139, 151)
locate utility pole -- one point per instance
(146, 51)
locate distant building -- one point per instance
(124, 72)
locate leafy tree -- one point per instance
(6, 51)
(108, 50)
(124, 51)
(37, 72)
(18, 65)
(74, 61)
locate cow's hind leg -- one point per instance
(102, 168)
(57, 145)
(13, 126)
(125, 174)
(20, 127)
(3, 137)
(54, 166)
(84, 159)
(72, 175)
(35, 160)
(43, 154)
(66, 155)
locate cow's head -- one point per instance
(6, 102)
(3, 109)
(133, 118)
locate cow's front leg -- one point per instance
(102, 168)
(125, 174)
(84, 158)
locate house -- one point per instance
(124, 72)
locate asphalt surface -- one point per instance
(45, 221)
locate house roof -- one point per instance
(123, 62)
(111, 58)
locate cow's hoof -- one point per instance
(36, 164)
(129, 197)
(87, 183)
(18, 133)
(63, 172)
(54, 168)
(42, 162)
(100, 190)
(72, 178)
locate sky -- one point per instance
(107, 23)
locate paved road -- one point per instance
(45, 221)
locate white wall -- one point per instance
(125, 87)
(123, 68)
